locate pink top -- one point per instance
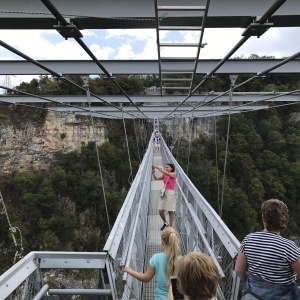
(171, 181)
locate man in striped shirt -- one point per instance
(267, 261)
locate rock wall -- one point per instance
(182, 128)
(25, 144)
(29, 145)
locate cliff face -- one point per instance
(29, 140)
(182, 127)
(34, 145)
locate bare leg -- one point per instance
(162, 215)
(171, 218)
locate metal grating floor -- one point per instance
(153, 230)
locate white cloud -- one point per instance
(88, 33)
(138, 34)
(35, 45)
(101, 53)
(278, 42)
(125, 52)
(149, 51)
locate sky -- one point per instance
(117, 44)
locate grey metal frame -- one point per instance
(34, 262)
(144, 67)
(68, 17)
(90, 14)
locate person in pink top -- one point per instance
(168, 202)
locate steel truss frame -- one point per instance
(68, 17)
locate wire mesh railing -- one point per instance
(57, 276)
(127, 241)
(201, 229)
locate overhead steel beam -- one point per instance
(162, 115)
(158, 109)
(237, 97)
(144, 67)
(102, 14)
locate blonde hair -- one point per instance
(169, 238)
(197, 276)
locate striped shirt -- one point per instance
(270, 256)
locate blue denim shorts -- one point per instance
(266, 290)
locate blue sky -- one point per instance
(141, 44)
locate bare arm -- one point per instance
(157, 177)
(145, 277)
(241, 266)
(170, 294)
(170, 174)
(296, 266)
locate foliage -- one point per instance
(262, 163)
(63, 208)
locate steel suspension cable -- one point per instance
(261, 21)
(173, 137)
(258, 75)
(97, 152)
(246, 81)
(12, 231)
(217, 168)
(49, 100)
(141, 136)
(179, 122)
(137, 142)
(64, 22)
(225, 160)
(128, 152)
(190, 143)
(54, 73)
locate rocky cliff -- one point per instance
(183, 128)
(29, 138)
(32, 144)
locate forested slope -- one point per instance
(263, 162)
(62, 208)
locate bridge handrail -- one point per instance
(224, 233)
(23, 269)
(127, 240)
(201, 229)
(115, 235)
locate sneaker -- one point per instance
(164, 226)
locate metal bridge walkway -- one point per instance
(153, 230)
(133, 239)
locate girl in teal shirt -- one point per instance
(162, 265)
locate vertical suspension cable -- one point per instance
(86, 85)
(190, 143)
(172, 136)
(141, 136)
(13, 230)
(217, 169)
(137, 142)
(129, 159)
(179, 121)
(226, 151)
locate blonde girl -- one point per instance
(161, 265)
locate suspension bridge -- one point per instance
(134, 238)
(135, 235)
